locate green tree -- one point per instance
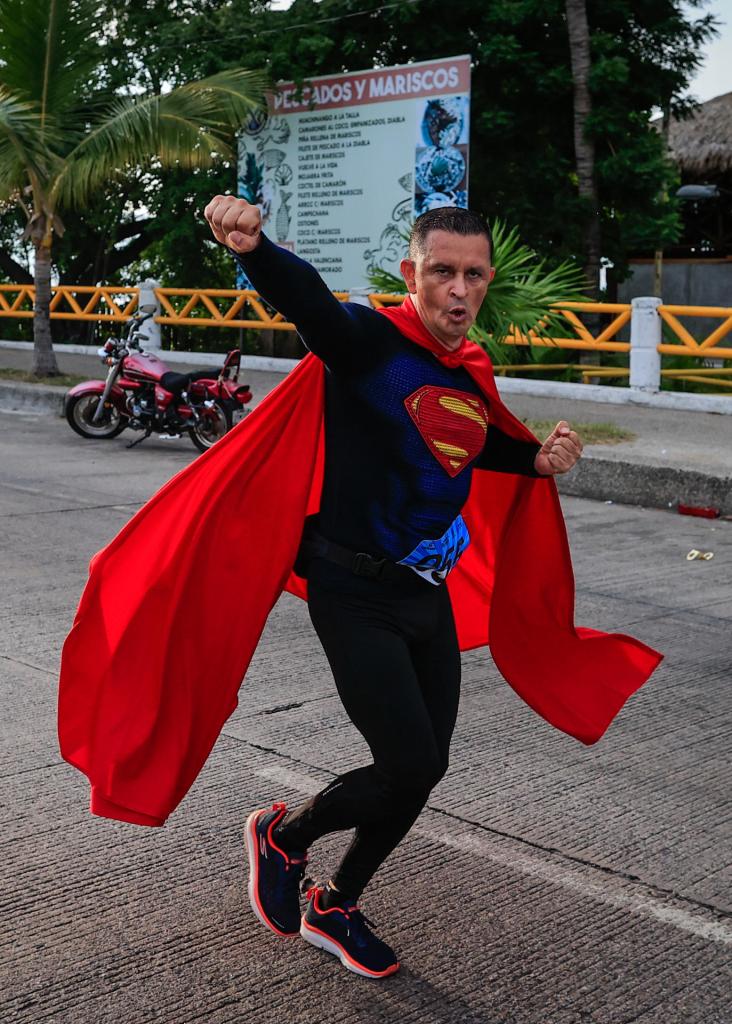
(644, 54)
(65, 136)
(584, 145)
(523, 168)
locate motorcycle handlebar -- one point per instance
(121, 345)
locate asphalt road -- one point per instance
(546, 883)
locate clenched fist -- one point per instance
(234, 222)
(559, 452)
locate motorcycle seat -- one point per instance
(178, 382)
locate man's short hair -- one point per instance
(446, 218)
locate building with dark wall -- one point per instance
(697, 270)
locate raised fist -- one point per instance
(234, 222)
(560, 451)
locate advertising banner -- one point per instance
(341, 170)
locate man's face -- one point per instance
(448, 282)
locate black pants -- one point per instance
(395, 659)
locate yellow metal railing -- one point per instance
(72, 302)
(380, 299)
(582, 338)
(688, 345)
(232, 307)
(220, 307)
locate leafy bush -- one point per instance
(520, 296)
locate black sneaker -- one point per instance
(344, 932)
(274, 876)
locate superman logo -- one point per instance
(453, 424)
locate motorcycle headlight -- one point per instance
(106, 352)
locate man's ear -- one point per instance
(408, 273)
(492, 274)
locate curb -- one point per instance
(637, 483)
(32, 398)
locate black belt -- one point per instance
(315, 545)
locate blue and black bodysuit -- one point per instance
(403, 435)
(403, 432)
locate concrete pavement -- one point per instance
(546, 883)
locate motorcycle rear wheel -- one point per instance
(79, 413)
(215, 422)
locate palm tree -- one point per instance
(64, 135)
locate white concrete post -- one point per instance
(150, 335)
(645, 337)
(360, 296)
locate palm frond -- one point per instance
(188, 126)
(500, 353)
(520, 296)
(387, 283)
(24, 156)
(231, 95)
(48, 50)
(525, 288)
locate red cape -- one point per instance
(176, 602)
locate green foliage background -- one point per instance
(522, 160)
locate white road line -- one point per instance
(607, 889)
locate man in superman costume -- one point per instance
(385, 481)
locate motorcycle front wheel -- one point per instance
(80, 412)
(215, 421)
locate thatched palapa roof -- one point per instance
(702, 144)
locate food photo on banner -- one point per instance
(441, 159)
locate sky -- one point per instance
(715, 75)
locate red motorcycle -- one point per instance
(140, 392)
